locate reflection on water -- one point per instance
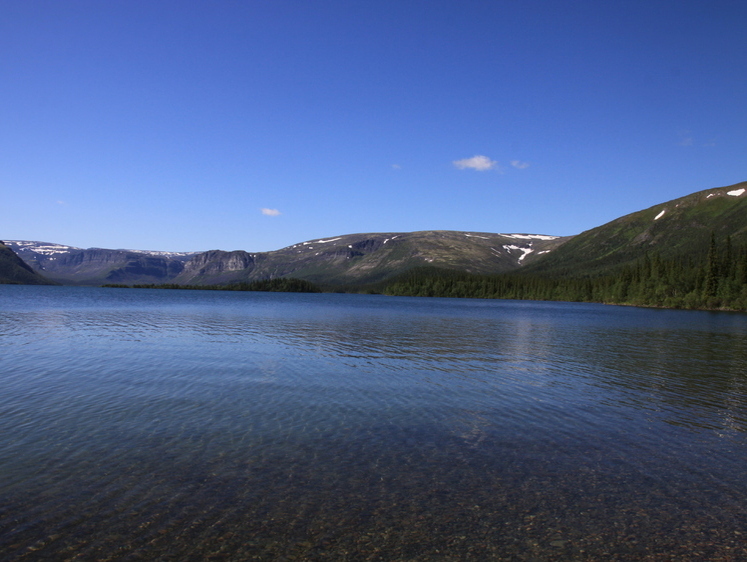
(185, 425)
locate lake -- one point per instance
(144, 424)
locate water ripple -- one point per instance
(188, 425)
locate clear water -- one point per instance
(191, 425)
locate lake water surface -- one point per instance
(200, 425)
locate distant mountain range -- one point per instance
(353, 259)
(679, 226)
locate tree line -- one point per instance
(716, 281)
(277, 285)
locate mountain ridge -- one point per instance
(338, 260)
(682, 225)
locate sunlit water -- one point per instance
(195, 425)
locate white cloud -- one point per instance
(270, 212)
(478, 162)
(396, 167)
(519, 165)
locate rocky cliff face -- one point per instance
(217, 261)
(144, 268)
(215, 266)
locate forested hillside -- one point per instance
(717, 280)
(671, 229)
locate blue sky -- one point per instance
(187, 125)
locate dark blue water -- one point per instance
(196, 425)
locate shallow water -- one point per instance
(194, 425)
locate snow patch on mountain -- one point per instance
(325, 241)
(43, 248)
(162, 254)
(525, 251)
(531, 236)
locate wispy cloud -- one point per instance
(479, 163)
(686, 139)
(519, 165)
(396, 167)
(270, 212)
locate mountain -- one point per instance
(342, 260)
(95, 266)
(368, 258)
(14, 270)
(678, 227)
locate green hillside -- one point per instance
(716, 281)
(690, 252)
(679, 227)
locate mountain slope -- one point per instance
(14, 270)
(677, 227)
(341, 260)
(368, 258)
